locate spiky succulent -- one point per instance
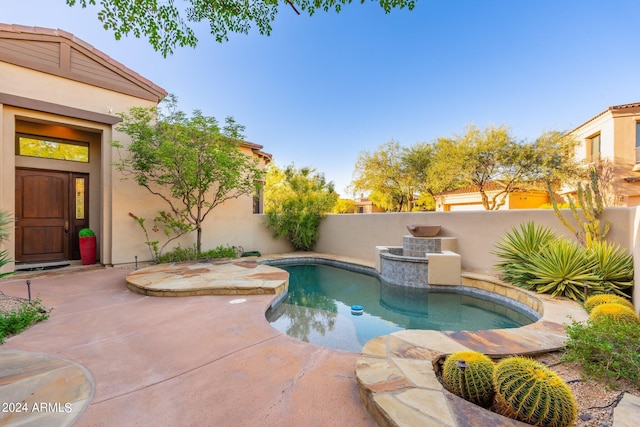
(530, 392)
(596, 300)
(614, 311)
(469, 374)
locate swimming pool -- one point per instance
(318, 308)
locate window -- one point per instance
(595, 148)
(258, 202)
(51, 148)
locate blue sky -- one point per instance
(321, 89)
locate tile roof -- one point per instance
(611, 108)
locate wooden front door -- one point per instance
(47, 211)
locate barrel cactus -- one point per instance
(596, 300)
(614, 311)
(530, 392)
(469, 374)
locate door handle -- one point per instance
(66, 226)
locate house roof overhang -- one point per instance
(59, 53)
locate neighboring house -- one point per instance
(613, 137)
(469, 198)
(364, 205)
(60, 93)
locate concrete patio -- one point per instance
(192, 361)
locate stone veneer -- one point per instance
(420, 246)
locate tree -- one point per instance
(295, 202)
(385, 175)
(166, 25)
(191, 163)
(491, 157)
(345, 206)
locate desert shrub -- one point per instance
(474, 382)
(16, 321)
(516, 249)
(617, 312)
(595, 300)
(191, 253)
(530, 392)
(606, 349)
(614, 267)
(561, 268)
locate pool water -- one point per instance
(318, 308)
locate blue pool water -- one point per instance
(318, 308)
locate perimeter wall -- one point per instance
(476, 233)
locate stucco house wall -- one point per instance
(617, 127)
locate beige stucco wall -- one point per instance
(604, 125)
(232, 223)
(625, 138)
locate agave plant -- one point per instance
(563, 268)
(614, 267)
(517, 248)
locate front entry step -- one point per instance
(41, 266)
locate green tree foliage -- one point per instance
(167, 24)
(345, 206)
(295, 201)
(387, 177)
(191, 163)
(490, 157)
(407, 178)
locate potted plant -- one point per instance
(87, 246)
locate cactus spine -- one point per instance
(468, 374)
(596, 300)
(530, 392)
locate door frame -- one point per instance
(76, 217)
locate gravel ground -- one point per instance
(8, 303)
(595, 399)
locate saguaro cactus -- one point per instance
(586, 213)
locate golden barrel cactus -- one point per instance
(530, 392)
(469, 374)
(614, 311)
(596, 300)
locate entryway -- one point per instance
(51, 207)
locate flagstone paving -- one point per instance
(115, 357)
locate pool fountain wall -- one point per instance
(420, 261)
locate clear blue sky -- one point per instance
(322, 89)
